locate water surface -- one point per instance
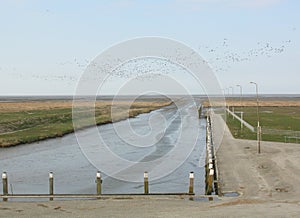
(28, 165)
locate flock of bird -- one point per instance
(75, 62)
(220, 58)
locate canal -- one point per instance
(28, 165)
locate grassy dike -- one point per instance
(26, 122)
(279, 119)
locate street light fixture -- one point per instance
(258, 126)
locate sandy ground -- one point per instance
(269, 186)
(272, 175)
(151, 207)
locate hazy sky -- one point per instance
(46, 45)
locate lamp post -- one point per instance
(258, 126)
(226, 96)
(230, 87)
(232, 107)
(241, 96)
(227, 89)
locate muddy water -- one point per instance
(28, 165)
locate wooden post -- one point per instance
(98, 181)
(51, 189)
(210, 181)
(191, 187)
(5, 185)
(146, 183)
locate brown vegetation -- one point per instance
(248, 102)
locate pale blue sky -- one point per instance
(45, 45)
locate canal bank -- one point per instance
(28, 166)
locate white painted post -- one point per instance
(191, 187)
(146, 183)
(5, 185)
(98, 181)
(51, 189)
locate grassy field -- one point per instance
(29, 121)
(277, 122)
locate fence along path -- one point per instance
(242, 121)
(287, 134)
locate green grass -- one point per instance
(29, 126)
(235, 129)
(276, 118)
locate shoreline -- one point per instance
(59, 135)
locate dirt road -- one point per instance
(272, 175)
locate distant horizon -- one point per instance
(150, 95)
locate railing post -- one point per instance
(98, 181)
(5, 185)
(51, 189)
(191, 187)
(210, 181)
(146, 183)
